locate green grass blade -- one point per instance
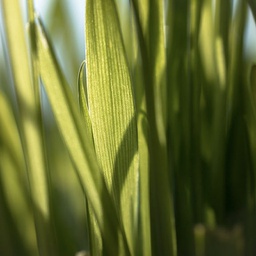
(82, 98)
(13, 178)
(196, 87)
(96, 246)
(112, 111)
(180, 123)
(144, 242)
(162, 207)
(9, 133)
(143, 246)
(220, 51)
(150, 31)
(142, 9)
(235, 58)
(253, 84)
(29, 121)
(78, 140)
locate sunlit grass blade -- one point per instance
(96, 247)
(78, 140)
(112, 110)
(29, 125)
(83, 97)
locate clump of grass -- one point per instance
(155, 155)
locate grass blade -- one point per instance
(112, 111)
(78, 140)
(13, 178)
(82, 98)
(30, 124)
(181, 91)
(150, 32)
(96, 246)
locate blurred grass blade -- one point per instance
(252, 5)
(196, 86)
(112, 110)
(253, 84)
(13, 178)
(182, 19)
(206, 41)
(29, 120)
(78, 141)
(9, 133)
(162, 205)
(220, 51)
(142, 9)
(150, 31)
(235, 58)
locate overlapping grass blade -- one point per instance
(221, 65)
(144, 232)
(144, 241)
(150, 31)
(251, 183)
(96, 246)
(82, 98)
(236, 109)
(208, 68)
(9, 133)
(30, 124)
(253, 85)
(236, 57)
(143, 246)
(181, 91)
(162, 207)
(78, 140)
(196, 87)
(112, 111)
(13, 178)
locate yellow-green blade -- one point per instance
(149, 18)
(96, 247)
(78, 140)
(162, 205)
(13, 177)
(112, 111)
(82, 97)
(30, 124)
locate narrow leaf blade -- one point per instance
(112, 110)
